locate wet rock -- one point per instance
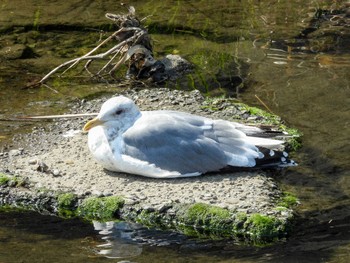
(16, 51)
(176, 66)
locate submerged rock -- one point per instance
(16, 51)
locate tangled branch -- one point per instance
(134, 46)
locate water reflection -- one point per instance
(127, 240)
(118, 239)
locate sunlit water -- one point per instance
(309, 90)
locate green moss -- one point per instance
(294, 142)
(13, 208)
(150, 219)
(11, 180)
(288, 200)
(67, 205)
(101, 208)
(238, 225)
(4, 179)
(263, 228)
(206, 219)
(267, 118)
(204, 213)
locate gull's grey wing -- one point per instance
(186, 143)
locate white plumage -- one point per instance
(170, 144)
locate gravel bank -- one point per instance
(57, 159)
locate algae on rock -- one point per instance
(101, 208)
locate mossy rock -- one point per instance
(67, 205)
(12, 181)
(264, 229)
(208, 221)
(101, 208)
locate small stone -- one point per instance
(97, 193)
(12, 183)
(142, 197)
(130, 202)
(15, 152)
(56, 172)
(42, 167)
(163, 208)
(148, 208)
(107, 192)
(32, 161)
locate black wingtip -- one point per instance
(273, 158)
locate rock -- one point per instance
(97, 193)
(15, 152)
(56, 172)
(16, 51)
(163, 201)
(107, 192)
(42, 167)
(32, 161)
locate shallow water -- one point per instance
(308, 85)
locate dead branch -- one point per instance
(132, 39)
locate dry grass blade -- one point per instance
(269, 110)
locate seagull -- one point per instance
(173, 144)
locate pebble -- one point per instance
(97, 193)
(15, 152)
(130, 202)
(107, 192)
(32, 161)
(56, 172)
(42, 167)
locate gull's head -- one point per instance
(117, 112)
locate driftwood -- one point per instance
(133, 48)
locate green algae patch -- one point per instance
(263, 229)
(151, 219)
(206, 220)
(288, 200)
(101, 208)
(4, 179)
(204, 214)
(12, 181)
(294, 141)
(67, 205)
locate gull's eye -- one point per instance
(118, 112)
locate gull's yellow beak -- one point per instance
(93, 123)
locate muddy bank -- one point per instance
(51, 170)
